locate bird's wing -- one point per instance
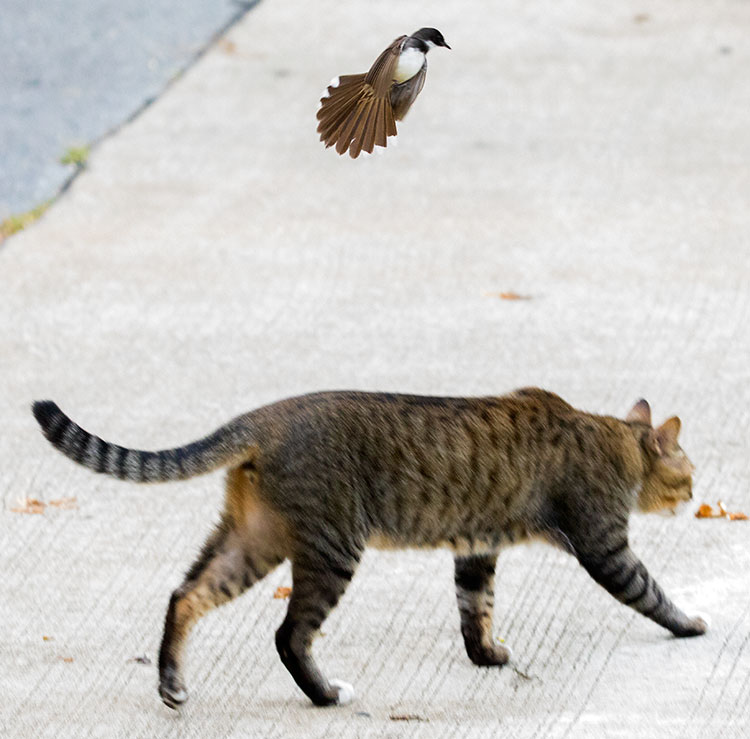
(403, 95)
(356, 113)
(383, 70)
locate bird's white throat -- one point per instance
(410, 61)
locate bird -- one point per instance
(359, 111)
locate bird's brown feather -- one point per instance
(352, 128)
(367, 140)
(338, 105)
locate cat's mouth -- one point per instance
(673, 507)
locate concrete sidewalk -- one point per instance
(215, 257)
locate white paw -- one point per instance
(346, 691)
(172, 696)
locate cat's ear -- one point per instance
(668, 432)
(640, 413)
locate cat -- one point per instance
(319, 477)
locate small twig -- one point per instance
(407, 717)
(521, 673)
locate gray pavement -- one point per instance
(73, 70)
(215, 257)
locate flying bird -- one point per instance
(359, 111)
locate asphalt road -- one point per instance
(73, 70)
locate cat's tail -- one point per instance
(232, 443)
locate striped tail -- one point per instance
(231, 443)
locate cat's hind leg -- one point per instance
(474, 577)
(246, 546)
(318, 581)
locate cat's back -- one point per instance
(512, 429)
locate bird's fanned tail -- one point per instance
(352, 117)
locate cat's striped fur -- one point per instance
(319, 477)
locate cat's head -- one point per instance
(668, 473)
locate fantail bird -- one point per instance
(359, 111)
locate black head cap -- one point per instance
(431, 35)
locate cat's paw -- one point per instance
(172, 691)
(345, 691)
(696, 626)
(494, 655)
(700, 616)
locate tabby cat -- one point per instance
(317, 478)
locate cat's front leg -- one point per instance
(475, 577)
(614, 565)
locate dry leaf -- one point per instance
(513, 296)
(705, 511)
(29, 505)
(48, 638)
(67, 659)
(510, 295)
(282, 592)
(227, 46)
(65, 504)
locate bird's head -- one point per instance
(431, 37)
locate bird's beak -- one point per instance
(446, 45)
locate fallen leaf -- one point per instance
(29, 505)
(514, 296)
(282, 592)
(705, 511)
(48, 638)
(65, 504)
(67, 659)
(227, 46)
(510, 295)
